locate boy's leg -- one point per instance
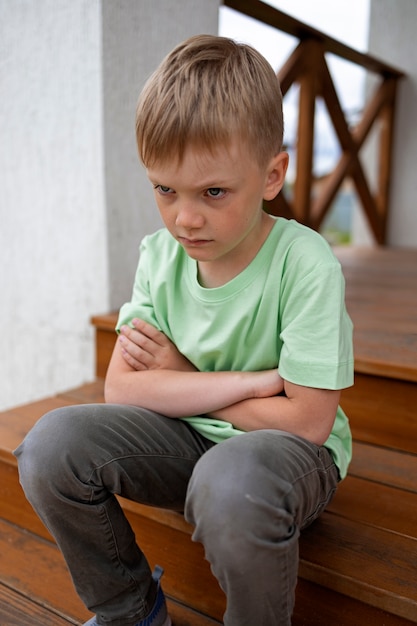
(71, 464)
(248, 499)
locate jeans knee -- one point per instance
(45, 455)
(237, 504)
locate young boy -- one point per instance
(223, 389)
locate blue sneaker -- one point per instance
(158, 616)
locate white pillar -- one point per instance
(137, 34)
(392, 38)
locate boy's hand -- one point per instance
(146, 348)
(267, 383)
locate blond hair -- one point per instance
(207, 90)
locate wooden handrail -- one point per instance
(290, 25)
(307, 67)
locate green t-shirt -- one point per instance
(286, 309)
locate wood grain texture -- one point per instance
(381, 297)
(18, 610)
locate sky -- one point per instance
(344, 20)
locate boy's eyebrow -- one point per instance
(204, 184)
(214, 183)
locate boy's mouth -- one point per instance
(193, 242)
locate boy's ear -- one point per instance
(276, 171)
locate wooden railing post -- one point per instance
(305, 136)
(385, 154)
(307, 67)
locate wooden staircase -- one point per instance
(358, 561)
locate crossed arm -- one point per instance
(147, 370)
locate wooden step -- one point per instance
(381, 297)
(105, 334)
(35, 568)
(345, 551)
(35, 585)
(375, 566)
(382, 411)
(17, 609)
(42, 594)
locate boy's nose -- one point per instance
(189, 217)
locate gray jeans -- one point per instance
(247, 497)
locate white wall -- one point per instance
(392, 37)
(74, 202)
(53, 250)
(137, 34)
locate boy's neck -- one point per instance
(213, 274)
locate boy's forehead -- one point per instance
(227, 154)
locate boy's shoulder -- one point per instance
(295, 239)
(161, 236)
(160, 241)
(161, 249)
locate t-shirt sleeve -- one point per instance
(316, 330)
(141, 304)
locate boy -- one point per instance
(223, 389)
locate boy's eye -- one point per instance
(163, 189)
(216, 192)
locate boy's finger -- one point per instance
(134, 363)
(148, 330)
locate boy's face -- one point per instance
(211, 204)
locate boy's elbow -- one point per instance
(320, 438)
(108, 394)
(111, 392)
(324, 428)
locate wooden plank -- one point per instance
(376, 505)
(19, 610)
(382, 411)
(105, 340)
(36, 568)
(161, 516)
(372, 565)
(15, 423)
(384, 466)
(381, 297)
(369, 579)
(317, 606)
(314, 606)
(182, 615)
(89, 393)
(105, 321)
(187, 577)
(34, 582)
(14, 507)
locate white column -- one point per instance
(392, 38)
(137, 34)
